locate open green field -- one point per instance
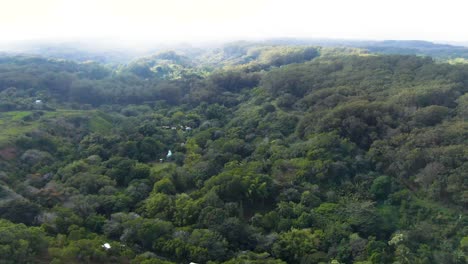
(15, 123)
(12, 125)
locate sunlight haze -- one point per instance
(208, 20)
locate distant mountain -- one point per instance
(111, 52)
(72, 51)
(405, 47)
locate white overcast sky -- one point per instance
(206, 20)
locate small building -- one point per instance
(106, 246)
(38, 101)
(169, 154)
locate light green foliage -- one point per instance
(164, 186)
(186, 210)
(159, 205)
(278, 56)
(20, 244)
(396, 239)
(254, 258)
(295, 245)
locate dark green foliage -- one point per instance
(381, 187)
(20, 211)
(431, 115)
(21, 244)
(280, 154)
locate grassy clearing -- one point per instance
(99, 123)
(13, 125)
(17, 115)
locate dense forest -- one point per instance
(246, 153)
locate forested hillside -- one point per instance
(241, 154)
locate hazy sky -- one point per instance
(203, 20)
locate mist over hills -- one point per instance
(113, 51)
